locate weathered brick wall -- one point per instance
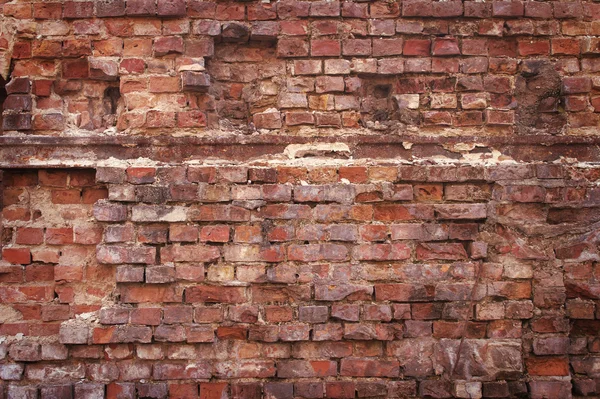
(332, 280)
(146, 66)
(299, 199)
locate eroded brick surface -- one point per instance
(150, 66)
(483, 285)
(299, 199)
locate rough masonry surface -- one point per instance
(299, 199)
(320, 281)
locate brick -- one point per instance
(384, 47)
(400, 292)
(568, 10)
(29, 236)
(313, 314)
(141, 8)
(417, 8)
(267, 120)
(538, 9)
(18, 85)
(539, 389)
(18, 103)
(345, 389)
(21, 256)
(325, 47)
(507, 9)
(547, 366)
(308, 67)
(534, 47)
(158, 213)
(292, 47)
(227, 12)
(368, 368)
(110, 212)
(356, 47)
(179, 233)
(173, 8)
(355, 10)
(122, 254)
(550, 346)
(110, 8)
(380, 252)
(447, 9)
(445, 46)
(576, 85)
(168, 45)
(304, 368)
(209, 294)
(59, 236)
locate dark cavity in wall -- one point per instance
(3, 96)
(247, 78)
(112, 95)
(538, 91)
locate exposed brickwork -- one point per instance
(309, 281)
(150, 66)
(299, 199)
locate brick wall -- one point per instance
(148, 66)
(300, 282)
(299, 199)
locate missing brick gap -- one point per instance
(3, 95)
(320, 149)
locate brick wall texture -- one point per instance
(432, 232)
(497, 67)
(295, 282)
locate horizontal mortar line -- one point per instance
(167, 141)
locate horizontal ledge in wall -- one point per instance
(231, 139)
(85, 150)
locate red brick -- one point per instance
(75, 69)
(340, 389)
(572, 85)
(447, 9)
(13, 214)
(538, 9)
(78, 9)
(566, 46)
(507, 9)
(229, 12)
(325, 47)
(356, 47)
(382, 9)
(445, 46)
(19, 11)
(29, 236)
(369, 368)
(534, 47)
(110, 8)
(568, 10)
(59, 236)
(141, 7)
(215, 233)
(417, 8)
(20, 256)
(208, 294)
(212, 390)
(47, 10)
(168, 45)
(355, 10)
(547, 366)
